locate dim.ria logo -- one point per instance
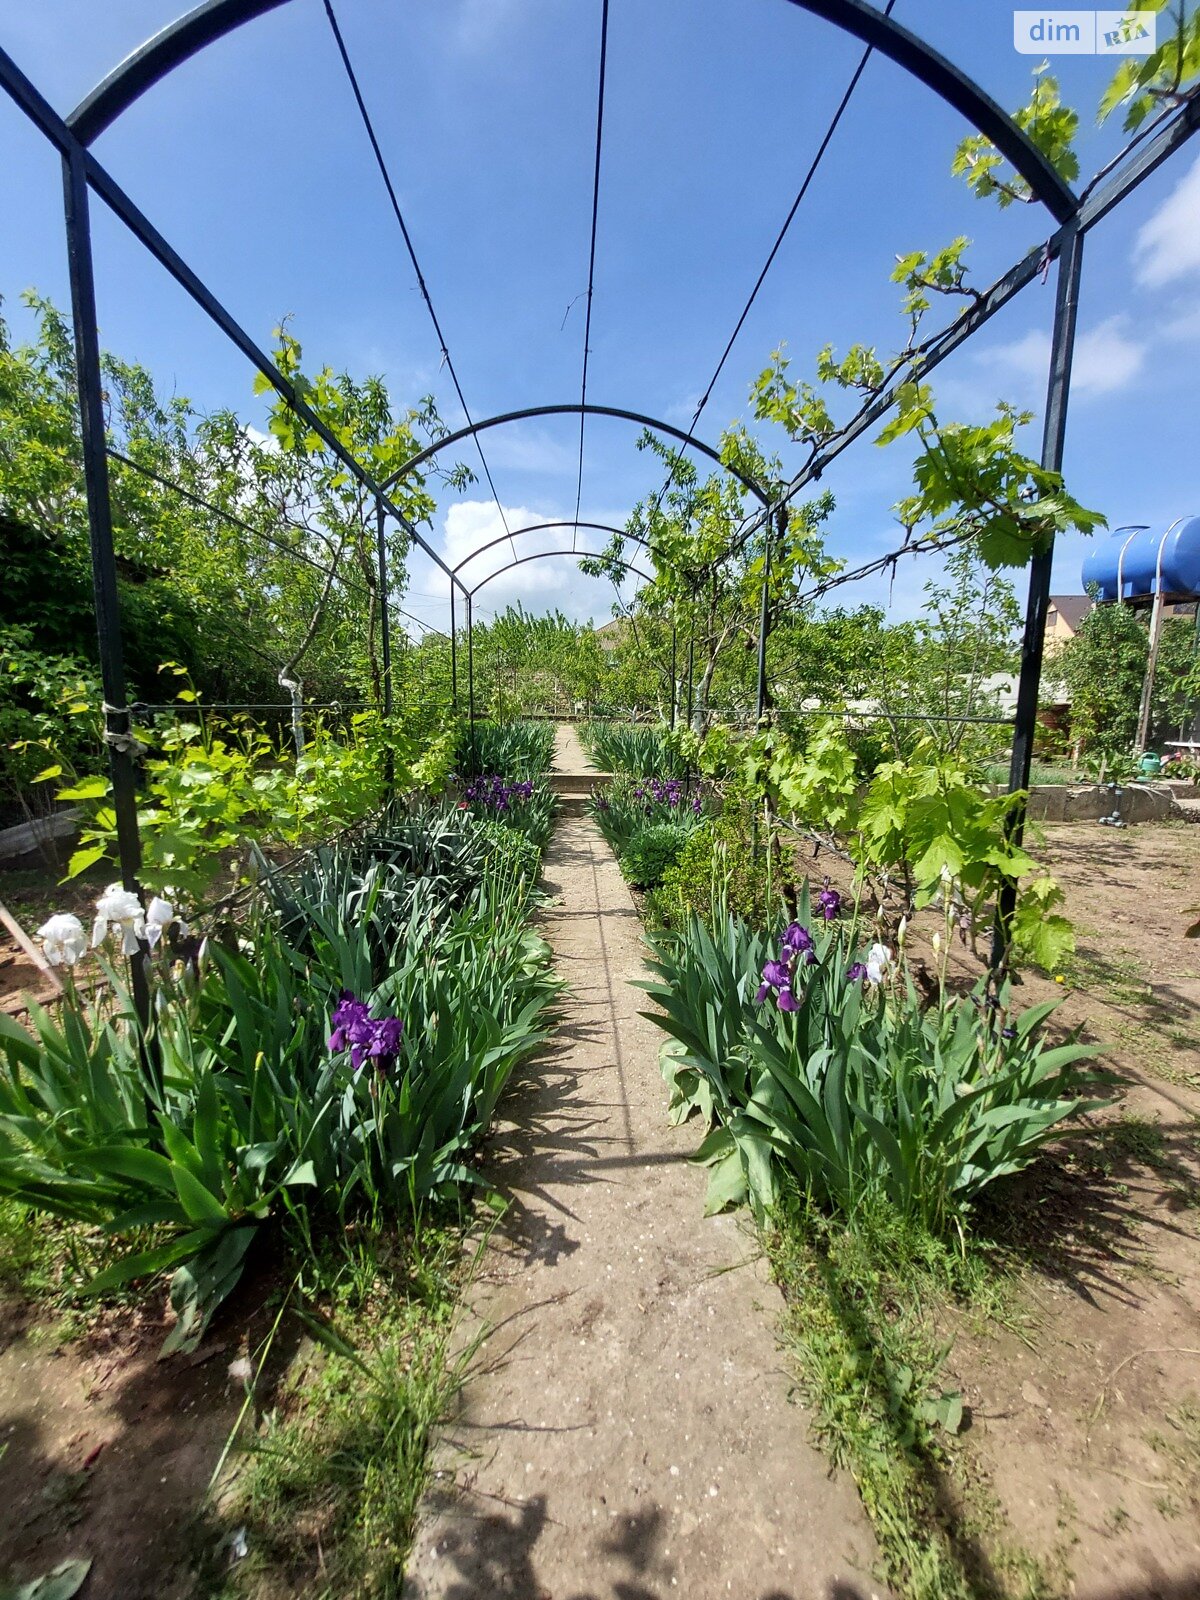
(1085, 33)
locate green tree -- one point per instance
(1103, 668)
(708, 548)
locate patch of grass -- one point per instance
(1145, 1042)
(327, 1482)
(860, 1328)
(1181, 1446)
(1139, 1141)
(1117, 980)
(44, 1265)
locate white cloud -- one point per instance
(539, 585)
(1106, 359)
(1167, 248)
(1185, 326)
(524, 449)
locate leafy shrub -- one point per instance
(627, 805)
(42, 701)
(215, 785)
(651, 851)
(718, 866)
(861, 1096)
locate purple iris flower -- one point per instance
(348, 1017)
(366, 1038)
(778, 974)
(796, 937)
(829, 903)
(855, 972)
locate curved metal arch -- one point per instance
(539, 527)
(542, 555)
(959, 91)
(574, 409)
(169, 48)
(215, 18)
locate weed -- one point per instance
(1135, 1140)
(1116, 1522)
(328, 1486)
(1180, 1444)
(861, 1330)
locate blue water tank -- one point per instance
(1137, 561)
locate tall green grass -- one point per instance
(509, 749)
(639, 752)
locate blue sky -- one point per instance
(253, 163)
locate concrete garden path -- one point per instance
(626, 1430)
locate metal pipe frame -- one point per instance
(1062, 350)
(101, 182)
(207, 23)
(213, 19)
(542, 555)
(573, 409)
(541, 527)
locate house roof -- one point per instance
(1072, 608)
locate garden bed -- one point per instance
(1024, 1416)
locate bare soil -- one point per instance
(107, 1452)
(1089, 1422)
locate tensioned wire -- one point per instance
(591, 283)
(412, 255)
(806, 184)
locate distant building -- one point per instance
(1066, 613)
(612, 634)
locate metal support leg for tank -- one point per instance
(1156, 622)
(89, 380)
(1062, 349)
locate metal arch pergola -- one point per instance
(519, 561)
(84, 175)
(576, 408)
(510, 537)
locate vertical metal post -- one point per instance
(453, 650)
(89, 380)
(1062, 350)
(1156, 620)
(674, 673)
(471, 677)
(691, 658)
(764, 613)
(385, 640)
(385, 625)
